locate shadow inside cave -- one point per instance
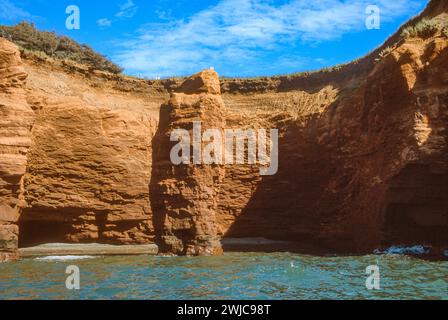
(44, 225)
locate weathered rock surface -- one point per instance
(368, 169)
(362, 155)
(184, 196)
(88, 174)
(16, 118)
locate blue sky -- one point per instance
(237, 37)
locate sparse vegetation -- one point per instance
(425, 28)
(385, 52)
(445, 31)
(27, 37)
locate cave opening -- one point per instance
(34, 232)
(38, 227)
(416, 210)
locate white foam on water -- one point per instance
(401, 250)
(63, 258)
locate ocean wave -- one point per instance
(403, 250)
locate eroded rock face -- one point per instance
(16, 118)
(415, 206)
(366, 171)
(184, 196)
(87, 177)
(362, 163)
(396, 172)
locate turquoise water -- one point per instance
(232, 276)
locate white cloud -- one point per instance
(164, 14)
(104, 23)
(127, 10)
(238, 31)
(10, 12)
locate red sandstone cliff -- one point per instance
(185, 196)
(15, 139)
(363, 159)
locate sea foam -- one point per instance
(63, 258)
(413, 250)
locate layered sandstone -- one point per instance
(15, 139)
(87, 177)
(184, 195)
(365, 168)
(362, 155)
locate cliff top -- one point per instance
(46, 48)
(27, 37)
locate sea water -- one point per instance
(232, 276)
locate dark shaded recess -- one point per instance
(288, 205)
(416, 210)
(34, 233)
(58, 227)
(160, 154)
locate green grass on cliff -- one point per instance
(27, 37)
(425, 28)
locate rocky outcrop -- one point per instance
(15, 125)
(399, 181)
(413, 167)
(366, 170)
(184, 195)
(390, 179)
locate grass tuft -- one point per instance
(425, 28)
